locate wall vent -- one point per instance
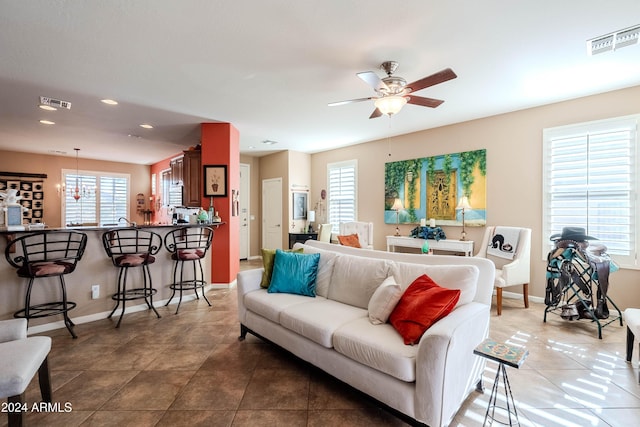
(609, 42)
(58, 103)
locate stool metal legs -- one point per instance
(192, 284)
(511, 412)
(123, 295)
(49, 308)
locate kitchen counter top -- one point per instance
(27, 229)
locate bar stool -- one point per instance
(47, 254)
(188, 244)
(131, 247)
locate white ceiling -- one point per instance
(271, 67)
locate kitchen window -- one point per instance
(103, 198)
(590, 181)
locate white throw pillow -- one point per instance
(384, 300)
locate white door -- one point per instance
(244, 211)
(272, 213)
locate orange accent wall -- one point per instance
(221, 146)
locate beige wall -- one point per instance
(254, 204)
(52, 166)
(514, 172)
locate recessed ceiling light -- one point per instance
(269, 142)
(47, 122)
(109, 101)
(146, 126)
(47, 107)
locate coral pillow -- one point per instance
(422, 304)
(350, 240)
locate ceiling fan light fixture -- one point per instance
(390, 105)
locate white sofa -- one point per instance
(426, 382)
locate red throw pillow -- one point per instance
(422, 304)
(350, 240)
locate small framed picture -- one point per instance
(13, 217)
(299, 205)
(215, 181)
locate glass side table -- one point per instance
(505, 355)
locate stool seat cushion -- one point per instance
(188, 254)
(46, 268)
(632, 317)
(21, 359)
(134, 260)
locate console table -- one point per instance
(301, 237)
(464, 246)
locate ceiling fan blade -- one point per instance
(425, 102)
(372, 79)
(349, 101)
(376, 113)
(432, 80)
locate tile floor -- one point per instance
(190, 370)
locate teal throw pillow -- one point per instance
(268, 255)
(294, 273)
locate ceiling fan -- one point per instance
(393, 91)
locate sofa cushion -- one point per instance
(318, 320)
(294, 273)
(384, 300)
(421, 305)
(271, 305)
(268, 256)
(349, 240)
(377, 346)
(355, 279)
(463, 277)
(325, 268)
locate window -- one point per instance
(104, 198)
(590, 181)
(342, 193)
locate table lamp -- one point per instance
(311, 217)
(463, 204)
(397, 206)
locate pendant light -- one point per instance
(76, 193)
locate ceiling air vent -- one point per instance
(52, 102)
(627, 37)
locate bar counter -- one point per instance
(95, 268)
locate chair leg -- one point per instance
(525, 294)
(499, 300)
(15, 417)
(44, 378)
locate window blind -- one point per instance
(591, 182)
(104, 198)
(342, 193)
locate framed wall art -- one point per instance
(299, 201)
(215, 180)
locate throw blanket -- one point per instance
(504, 242)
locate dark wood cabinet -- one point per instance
(191, 177)
(177, 170)
(301, 237)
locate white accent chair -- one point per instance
(364, 230)
(324, 234)
(21, 358)
(510, 272)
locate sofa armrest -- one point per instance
(248, 281)
(13, 329)
(446, 368)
